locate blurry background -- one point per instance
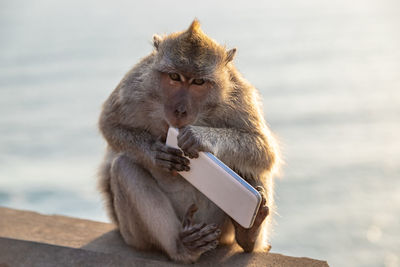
(328, 71)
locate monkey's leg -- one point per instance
(246, 238)
(147, 219)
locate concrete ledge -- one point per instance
(14, 252)
(31, 239)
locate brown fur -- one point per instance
(149, 203)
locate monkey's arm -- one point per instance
(137, 143)
(247, 152)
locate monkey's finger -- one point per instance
(185, 135)
(200, 232)
(174, 151)
(182, 138)
(210, 245)
(205, 233)
(171, 150)
(192, 233)
(161, 147)
(187, 220)
(173, 158)
(170, 166)
(183, 130)
(192, 153)
(166, 164)
(211, 236)
(204, 240)
(206, 243)
(188, 143)
(189, 228)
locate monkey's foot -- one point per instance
(246, 238)
(200, 238)
(195, 239)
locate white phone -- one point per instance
(221, 185)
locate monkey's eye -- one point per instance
(175, 77)
(198, 81)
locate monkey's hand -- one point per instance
(191, 142)
(168, 158)
(246, 238)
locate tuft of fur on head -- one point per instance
(195, 26)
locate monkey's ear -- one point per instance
(157, 39)
(230, 55)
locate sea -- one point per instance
(328, 73)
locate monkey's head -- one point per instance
(193, 71)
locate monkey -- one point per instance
(189, 82)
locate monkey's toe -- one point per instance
(261, 215)
(188, 218)
(201, 238)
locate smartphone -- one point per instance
(221, 185)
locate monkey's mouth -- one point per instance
(179, 122)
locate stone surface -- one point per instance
(31, 239)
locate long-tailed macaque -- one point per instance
(189, 81)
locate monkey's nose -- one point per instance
(180, 113)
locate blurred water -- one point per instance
(328, 72)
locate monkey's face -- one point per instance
(183, 97)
